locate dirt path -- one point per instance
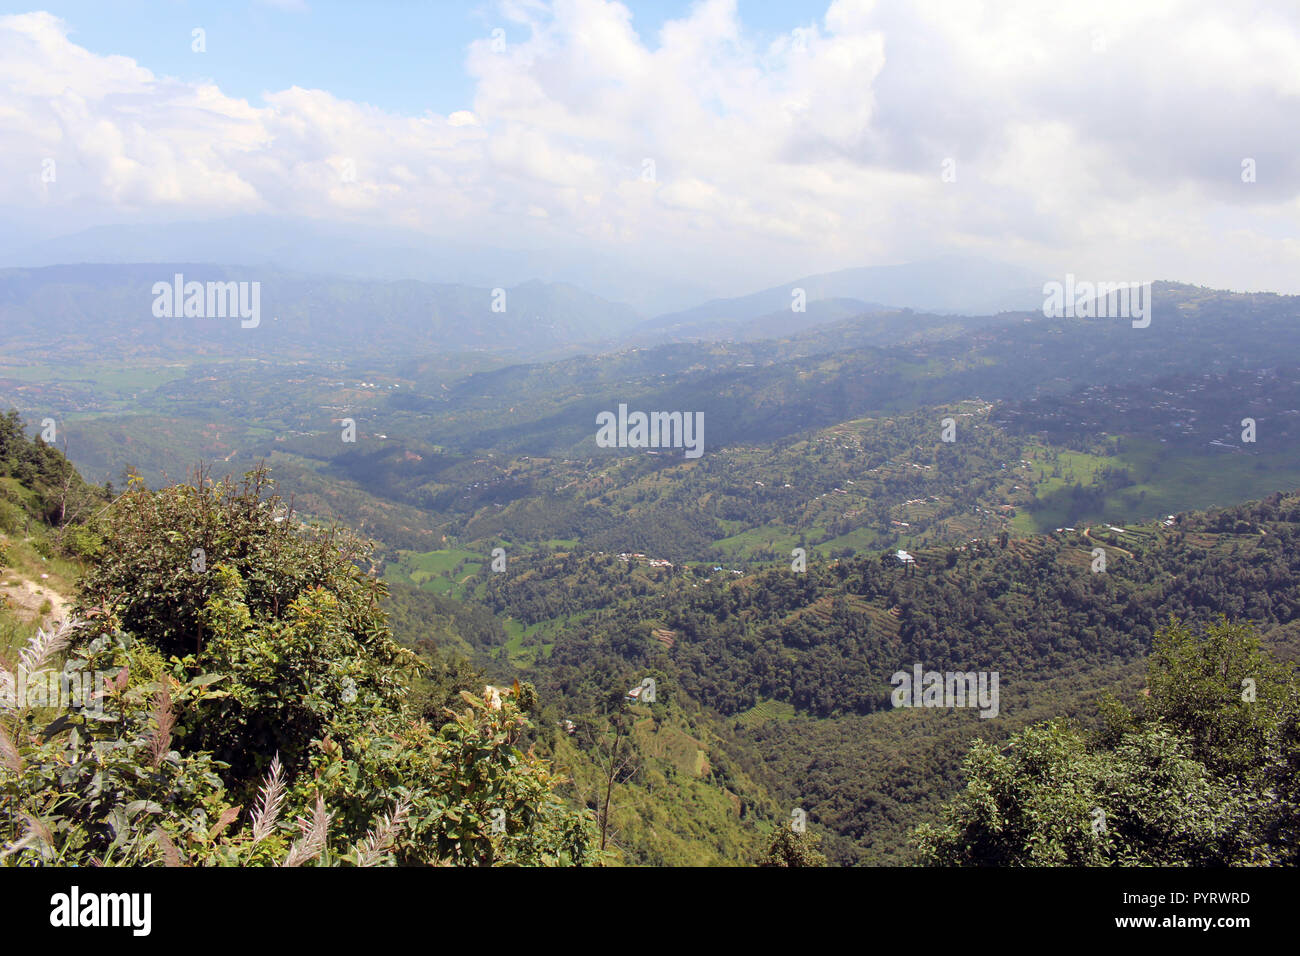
(26, 597)
(1103, 544)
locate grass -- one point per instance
(1074, 466)
(23, 561)
(859, 540)
(1168, 479)
(433, 570)
(1026, 524)
(520, 649)
(1176, 479)
(14, 633)
(764, 711)
(746, 544)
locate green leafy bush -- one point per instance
(282, 691)
(11, 517)
(1202, 775)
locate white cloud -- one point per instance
(1107, 137)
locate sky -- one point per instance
(730, 143)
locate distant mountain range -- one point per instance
(108, 309)
(352, 251)
(943, 284)
(947, 285)
(112, 311)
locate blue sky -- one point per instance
(406, 56)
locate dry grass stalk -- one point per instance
(45, 645)
(315, 836)
(379, 840)
(271, 797)
(9, 754)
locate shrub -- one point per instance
(1216, 738)
(11, 518)
(267, 678)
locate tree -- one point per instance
(1221, 690)
(158, 575)
(1202, 776)
(789, 848)
(274, 661)
(608, 741)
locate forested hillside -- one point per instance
(798, 664)
(1054, 521)
(256, 670)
